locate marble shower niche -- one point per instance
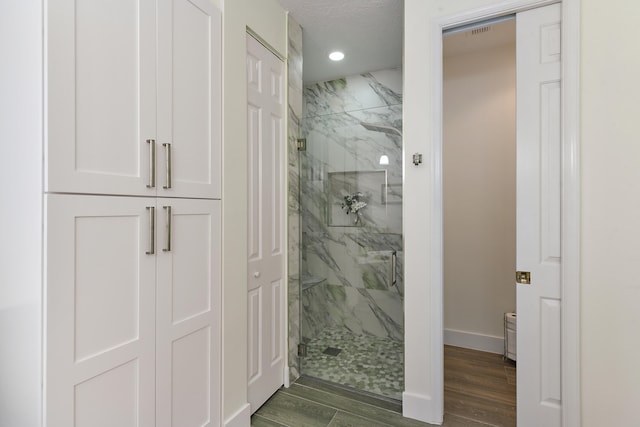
(351, 259)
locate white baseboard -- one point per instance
(242, 418)
(421, 408)
(488, 343)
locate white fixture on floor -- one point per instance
(510, 336)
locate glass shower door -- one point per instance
(351, 233)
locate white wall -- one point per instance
(479, 194)
(422, 397)
(610, 212)
(268, 20)
(20, 212)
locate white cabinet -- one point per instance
(98, 328)
(190, 97)
(132, 253)
(100, 312)
(132, 320)
(133, 97)
(188, 313)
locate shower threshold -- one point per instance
(374, 399)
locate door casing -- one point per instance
(413, 404)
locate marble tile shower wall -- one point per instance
(346, 266)
(294, 64)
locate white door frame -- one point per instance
(570, 236)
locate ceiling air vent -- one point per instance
(480, 30)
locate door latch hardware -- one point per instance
(417, 159)
(523, 277)
(301, 144)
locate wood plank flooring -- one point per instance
(479, 391)
(479, 387)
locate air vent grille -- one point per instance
(480, 30)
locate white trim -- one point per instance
(437, 239)
(464, 339)
(488, 12)
(416, 406)
(570, 200)
(286, 375)
(571, 218)
(242, 418)
(285, 212)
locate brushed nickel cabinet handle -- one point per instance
(167, 210)
(167, 147)
(152, 163)
(152, 230)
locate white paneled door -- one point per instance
(538, 216)
(266, 279)
(101, 96)
(100, 317)
(189, 99)
(188, 311)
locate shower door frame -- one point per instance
(333, 203)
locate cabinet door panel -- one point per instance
(188, 313)
(189, 97)
(100, 316)
(100, 85)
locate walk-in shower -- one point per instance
(351, 259)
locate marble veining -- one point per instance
(370, 90)
(294, 64)
(348, 266)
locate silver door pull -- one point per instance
(393, 268)
(167, 147)
(152, 163)
(167, 210)
(152, 230)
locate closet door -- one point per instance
(188, 313)
(266, 279)
(100, 95)
(189, 98)
(100, 312)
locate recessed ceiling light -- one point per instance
(336, 56)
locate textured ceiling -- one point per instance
(369, 32)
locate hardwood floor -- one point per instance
(479, 390)
(479, 387)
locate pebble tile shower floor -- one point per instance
(365, 362)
